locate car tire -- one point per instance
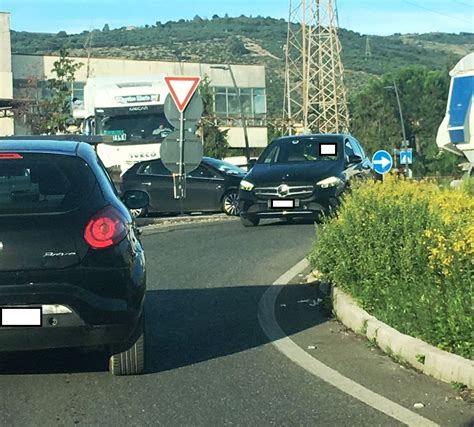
(131, 361)
(249, 221)
(138, 213)
(230, 203)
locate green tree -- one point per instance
(236, 47)
(423, 96)
(106, 28)
(215, 140)
(56, 108)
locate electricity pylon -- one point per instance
(315, 96)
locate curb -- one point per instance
(437, 363)
(171, 221)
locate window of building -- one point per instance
(78, 95)
(226, 102)
(260, 102)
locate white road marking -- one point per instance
(269, 324)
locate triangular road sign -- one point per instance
(182, 89)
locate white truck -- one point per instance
(456, 132)
(129, 113)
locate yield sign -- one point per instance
(182, 89)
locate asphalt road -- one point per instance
(209, 362)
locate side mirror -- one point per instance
(135, 199)
(251, 163)
(354, 158)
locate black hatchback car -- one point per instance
(72, 269)
(300, 176)
(212, 187)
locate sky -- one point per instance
(381, 17)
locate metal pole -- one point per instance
(405, 142)
(181, 160)
(242, 118)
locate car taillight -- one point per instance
(105, 229)
(11, 156)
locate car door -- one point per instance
(204, 189)
(157, 180)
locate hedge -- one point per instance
(405, 251)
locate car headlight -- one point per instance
(246, 186)
(332, 181)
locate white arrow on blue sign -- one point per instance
(382, 161)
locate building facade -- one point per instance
(6, 78)
(24, 77)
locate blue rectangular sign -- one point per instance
(406, 156)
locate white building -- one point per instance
(18, 71)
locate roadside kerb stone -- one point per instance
(171, 221)
(424, 357)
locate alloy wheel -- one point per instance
(137, 213)
(231, 204)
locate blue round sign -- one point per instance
(382, 161)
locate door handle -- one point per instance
(218, 187)
(146, 183)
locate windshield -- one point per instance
(301, 149)
(225, 167)
(134, 126)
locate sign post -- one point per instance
(181, 90)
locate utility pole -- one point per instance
(405, 142)
(315, 96)
(402, 122)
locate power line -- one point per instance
(435, 11)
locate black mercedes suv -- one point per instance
(300, 176)
(72, 269)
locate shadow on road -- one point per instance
(183, 327)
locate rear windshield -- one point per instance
(302, 149)
(43, 183)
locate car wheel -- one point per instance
(230, 204)
(249, 221)
(131, 361)
(138, 213)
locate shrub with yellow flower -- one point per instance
(405, 250)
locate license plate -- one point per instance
(21, 316)
(284, 204)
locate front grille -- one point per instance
(294, 191)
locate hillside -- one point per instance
(249, 40)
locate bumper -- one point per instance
(94, 321)
(115, 338)
(250, 205)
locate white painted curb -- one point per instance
(439, 364)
